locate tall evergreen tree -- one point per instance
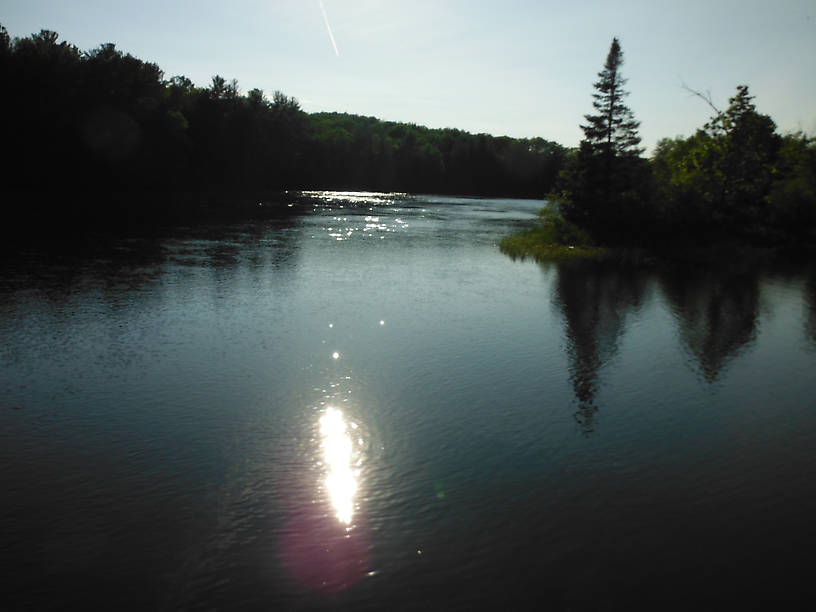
(613, 131)
(605, 189)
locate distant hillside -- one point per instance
(350, 151)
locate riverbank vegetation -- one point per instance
(552, 237)
(735, 184)
(102, 137)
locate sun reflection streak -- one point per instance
(341, 481)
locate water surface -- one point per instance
(364, 404)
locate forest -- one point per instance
(103, 138)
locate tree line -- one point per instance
(348, 151)
(735, 181)
(101, 135)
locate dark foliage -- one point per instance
(735, 182)
(102, 138)
(349, 151)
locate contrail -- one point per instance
(328, 27)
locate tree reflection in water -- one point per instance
(716, 309)
(595, 297)
(810, 297)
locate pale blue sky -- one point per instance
(511, 67)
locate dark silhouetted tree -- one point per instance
(612, 132)
(605, 191)
(742, 158)
(717, 185)
(793, 196)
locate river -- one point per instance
(363, 404)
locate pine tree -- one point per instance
(604, 190)
(613, 131)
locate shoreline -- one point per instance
(532, 244)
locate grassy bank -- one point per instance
(551, 238)
(537, 244)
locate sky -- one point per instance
(521, 68)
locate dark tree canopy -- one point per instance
(736, 179)
(103, 137)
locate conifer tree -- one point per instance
(604, 191)
(613, 131)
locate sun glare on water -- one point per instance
(341, 481)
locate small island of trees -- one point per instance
(736, 181)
